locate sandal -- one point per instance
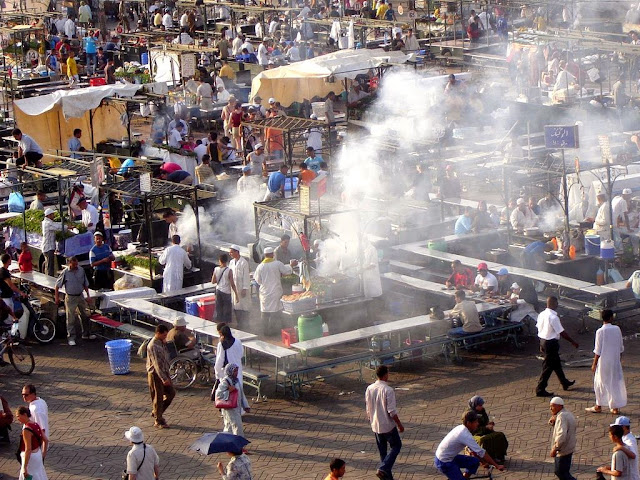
(593, 409)
(161, 425)
(615, 411)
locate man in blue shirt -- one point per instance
(313, 161)
(275, 184)
(74, 143)
(91, 49)
(100, 257)
(464, 222)
(533, 254)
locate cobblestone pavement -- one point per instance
(90, 409)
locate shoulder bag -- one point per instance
(125, 475)
(231, 402)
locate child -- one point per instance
(25, 261)
(72, 70)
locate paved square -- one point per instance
(90, 409)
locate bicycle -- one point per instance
(19, 356)
(42, 328)
(188, 366)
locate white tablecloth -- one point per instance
(187, 163)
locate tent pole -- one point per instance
(93, 145)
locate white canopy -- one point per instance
(304, 80)
(74, 103)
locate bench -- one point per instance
(140, 333)
(297, 377)
(501, 332)
(105, 323)
(254, 378)
(280, 354)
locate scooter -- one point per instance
(30, 319)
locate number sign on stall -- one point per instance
(561, 136)
(145, 182)
(188, 64)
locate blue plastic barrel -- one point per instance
(119, 352)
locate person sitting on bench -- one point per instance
(468, 313)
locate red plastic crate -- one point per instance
(97, 81)
(207, 307)
(289, 336)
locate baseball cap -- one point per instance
(272, 100)
(503, 271)
(622, 421)
(258, 146)
(627, 191)
(515, 286)
(49, 211)
(520, 201)
(268, 250)
(98, 234)
(482, 266)
(556, 401)
(246, 168)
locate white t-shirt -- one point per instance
(40, 414)
(174, 138)
(548, 325)
(485, 282)
(184, 20)
(248, 46)
(90, 216)
(28, 144)
(454, 442)
(200, 151)
(630, 441)
(619, 206)
(167, 20)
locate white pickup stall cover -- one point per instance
(74, 103)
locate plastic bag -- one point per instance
(127, 282)
(16, 202)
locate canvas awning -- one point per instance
(318, 76)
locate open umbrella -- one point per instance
(219, 442)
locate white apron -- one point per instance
(608, 381)
(240, 270)
(267, 275)
(175, 260)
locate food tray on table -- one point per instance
(297, 306)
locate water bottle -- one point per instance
(325, 329)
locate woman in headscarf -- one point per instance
(495, 443)
(229, 351)
(232, 416)
(238, 468)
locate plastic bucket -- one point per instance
(119, 352)
(607, 250)
(592, 245)
(439, 245)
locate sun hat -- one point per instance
(49, 211)
(180, 322)
(134, 435)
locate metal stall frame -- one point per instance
(160, 190)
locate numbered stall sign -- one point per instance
(561, 136)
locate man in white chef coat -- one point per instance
(268, 275)
(608, 381)
(175, 259)
(241, 302)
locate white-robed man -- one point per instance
(267, 275)
(608, 381)
(175, 259)
(448, 459)
(241, 302)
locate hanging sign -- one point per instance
(188, 65)
(561, 136)
(145, 182)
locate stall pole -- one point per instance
(24, 212)
(565, 194)
(93, 145)
(195, 207)
(148, 219)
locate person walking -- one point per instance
(74, 280)
(38, 408)
(380, 401)
(242, 300)
(564, 438)
(143, 462)
(549, 331)
(630, 447)
(448, 459)
(158, 377)
(232, 416)
(33, 447)
(620, 465)
(229, 351)
(608, 380)
(6, 419)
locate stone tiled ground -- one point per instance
(90, 410)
